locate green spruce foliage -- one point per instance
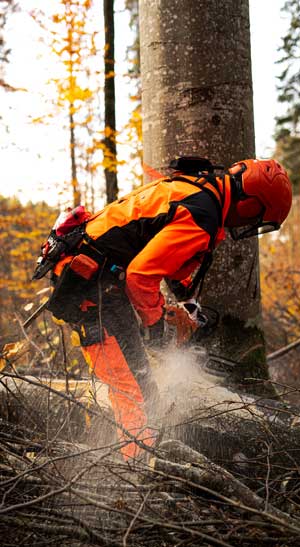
(288, 126)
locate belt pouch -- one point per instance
(71, 287)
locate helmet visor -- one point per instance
(244, 232)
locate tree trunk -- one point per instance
(110, 151)
(197, 99)
(75, 186)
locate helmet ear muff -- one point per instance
(236, 172)
(237, 169)
(249, 207)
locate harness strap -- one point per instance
(218, 197)
(198, 280)
(91, 245)
(202, 183)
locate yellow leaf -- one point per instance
(87, 420)
(39, 119)
(57, 321)
(11, 349)
(110, 74)
(89, 362)
(75, 340)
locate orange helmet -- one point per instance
(262, 189)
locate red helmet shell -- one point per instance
(268, 182)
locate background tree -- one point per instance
(69, 43)
(197, 99)
(6, 8)
(73, 41)
(110, 149)
(288, 125)
(280, 282)
(134, 126)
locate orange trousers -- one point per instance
(116, 355)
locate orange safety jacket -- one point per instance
(161, 230)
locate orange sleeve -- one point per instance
(170, 251)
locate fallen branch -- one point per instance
(200, 471)
(79, 532)
(284, 350)
(62, 395)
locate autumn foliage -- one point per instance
(23, 229)
(280, 287)
(46, 346)
(280, 278)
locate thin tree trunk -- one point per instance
(197, 99)
(110, 151)
(75, 187)
(74, 182)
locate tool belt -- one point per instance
(77, 279)
(77, 283)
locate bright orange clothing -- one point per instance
(127, 401)
(115, 353)
(161, 230)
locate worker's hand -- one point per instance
(153, 335)
(187, 318)
(194, 312)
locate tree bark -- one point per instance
(110, 150)
(197, 99)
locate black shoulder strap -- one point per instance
(198, 280)
(207, 178)
(183, 292)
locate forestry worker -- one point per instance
(107, 268)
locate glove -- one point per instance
(190, 320)
(204, 320)
(154, 334)
(194, 312)
(186, 318)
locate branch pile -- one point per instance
(59, 489)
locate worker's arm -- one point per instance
(169, 252)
